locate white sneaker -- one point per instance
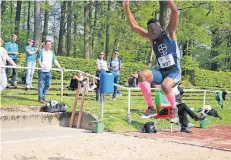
(27, 86)
(31, 86)
(174, 120)
(113, 99)
(93, 87)
(190, 125)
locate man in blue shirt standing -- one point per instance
(114, 65)
(45, 59)
(30, 62)
(12, 50)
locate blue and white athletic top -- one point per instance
(167, 52)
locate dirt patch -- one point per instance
(218, 137)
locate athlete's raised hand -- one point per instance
(126, 4)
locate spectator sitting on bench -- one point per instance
(133, 79)
(78, 77)
(183, 110)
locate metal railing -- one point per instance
(129, 89)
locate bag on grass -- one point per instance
(149, 127)
(213, 113)
(54, 106)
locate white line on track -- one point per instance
(36, 139)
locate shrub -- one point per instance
(198, 77)
(87, 65)
(202, 77)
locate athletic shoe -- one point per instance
(45, 99)
(190, 125)
(15, 85)
(42, 100)
(8, 85)
(27, 87)
(174, 115)
(200, 118)
(113, 99)
(174, 120)
(31, 86)
(149, 112)
(185, 130)
(93, 87)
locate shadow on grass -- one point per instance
(137, 125)
(18, 98)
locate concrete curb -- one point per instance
(28, 116)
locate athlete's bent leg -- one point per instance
(166, 86)
(145, 78)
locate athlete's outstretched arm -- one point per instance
(133, 24)
(174, 18)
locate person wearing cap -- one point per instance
(4, 57)
(164, 43)
(114, 65)
(12, 51)
(30, 62)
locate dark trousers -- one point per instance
(116, 81)
(183, 110)
(98, 87)
(14, 74)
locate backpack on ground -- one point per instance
(213, 113)
(149, 127)
(54, 106)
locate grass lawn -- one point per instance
(115, 111)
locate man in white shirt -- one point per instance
(45, 58)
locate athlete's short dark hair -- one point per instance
(152, 20)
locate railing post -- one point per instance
(61, 96)
(101, 106)
(204, 98)
(129, 118)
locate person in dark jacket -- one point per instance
(184, 110)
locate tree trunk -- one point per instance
(3, 8)
(45, 27)
(107, 29)
(151, 54)
(11, 16)
(185, 48)
(227, 60)
(24, 16)
(69, 21)
(86, 29)
(216, 42)
(37, 22)
(28, 21)
(54, 32)
(62, 27)
(164, 14)
(75, 34)
(17, 17)
(116, 43)
(90, 30)
(94, 25)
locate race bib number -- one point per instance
(166, 61)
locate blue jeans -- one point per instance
(44, 82)
(8, 70)
(116, 81)
(30, 72)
